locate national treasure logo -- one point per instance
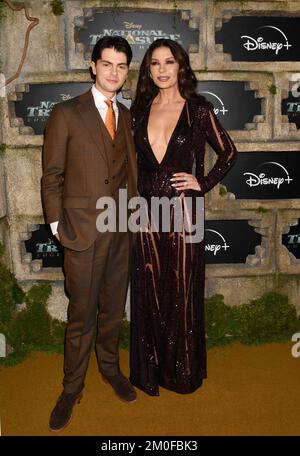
(291, 240)
(43, 246)
(135, 35)
(140, 29)
(41, 112)
(38, 100)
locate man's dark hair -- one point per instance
(116, 42)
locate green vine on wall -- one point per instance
(2, 10)
(241, 2)
(272, 89)
(261, 210)
(116, 4)
(57, 7)
(222, 190)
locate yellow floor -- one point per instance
(249, 391)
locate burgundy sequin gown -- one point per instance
(167, 279)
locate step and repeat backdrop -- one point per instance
(246, 58)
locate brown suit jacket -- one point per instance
(76, 169)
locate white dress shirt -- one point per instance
(102, 107)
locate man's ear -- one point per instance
(93, 67)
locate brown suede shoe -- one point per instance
(62, 413)
(121, 386)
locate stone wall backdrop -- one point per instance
(246, 56)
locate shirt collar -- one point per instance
(99, 97)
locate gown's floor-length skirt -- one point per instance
(167, 313)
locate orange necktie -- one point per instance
(110, 119)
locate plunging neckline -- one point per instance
(171, 137)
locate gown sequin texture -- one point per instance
(167, 277)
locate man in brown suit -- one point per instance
(89, 153)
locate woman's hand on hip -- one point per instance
(185, 181)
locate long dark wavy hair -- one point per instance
(146, 90)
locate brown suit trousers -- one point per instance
(96, 279)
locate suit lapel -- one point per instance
(91, 120)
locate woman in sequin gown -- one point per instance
(167, 279)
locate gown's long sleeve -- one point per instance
(218, 138)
